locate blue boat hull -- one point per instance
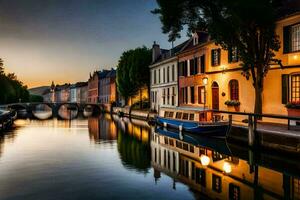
(213, 129)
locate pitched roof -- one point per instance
(166, 54)
(290, 7)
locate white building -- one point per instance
(73, 93)
(164, 77)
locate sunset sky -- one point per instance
(65, 40)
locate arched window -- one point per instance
(234, 90)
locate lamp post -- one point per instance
(204, 81)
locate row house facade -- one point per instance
(108, 87)
(210, 77)
(79, 92)
(62, 93)
(102, 87)
(93, 88)
(163, 72)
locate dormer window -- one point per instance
(195, 39)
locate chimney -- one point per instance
(155, 51)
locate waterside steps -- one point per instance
(7, 118)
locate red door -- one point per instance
(215, 96)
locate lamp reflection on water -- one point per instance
(227, 167)
(205, 160)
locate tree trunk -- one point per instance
(141, 99)
(258, 100)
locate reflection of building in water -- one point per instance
(137, 128)
(217, 175)
(102, 128)
(133, 143)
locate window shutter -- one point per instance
(286, 39)
(284, 88)
(203, 64)
(212, 58)
(219, 57)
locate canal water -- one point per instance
(111, 158)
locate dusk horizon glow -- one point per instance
(63, 41)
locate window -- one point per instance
(192, 117)
(185, 116)
(173, 73)
(192, 149)
(178, 115)
(216, 183)
(168, 74)
(184, 95)
(173, 96)
(295, 88)
(193, 66)
(158, 75)
(164, 96)
(234, 192)
(202, 64)
(171, 114)
(233, 55)
(166, 114)
(200, 177)
(168, 96)
(201, 95)
(154, 76)
(192, 90)
(215, 57)
(164, 76)
(295, 36)
(183, 68)
(234, 90)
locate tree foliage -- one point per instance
(11, 89)
(133, 71)
(248, 25)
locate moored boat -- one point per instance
(193, 122)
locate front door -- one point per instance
(215, 96)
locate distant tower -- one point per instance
(52, 92)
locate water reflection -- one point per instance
(221, 174)
(68, 111)
(102, 128)
(108, 157)
(132, 139)
(42, 111)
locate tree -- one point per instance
(139, 71)
(124, 84)
(248, 25)
(133, 72)
(11, 90)
(1, 67)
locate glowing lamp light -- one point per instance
(227, 167)
(295, 57)
(204, 160)
(205, 81)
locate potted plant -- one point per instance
(293, 108)
(233, 103)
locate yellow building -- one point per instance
(225, 81)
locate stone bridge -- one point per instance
(55, 106)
